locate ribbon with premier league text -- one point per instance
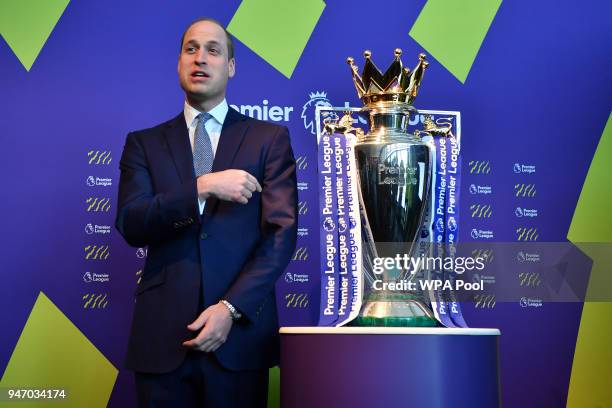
(328, 216)
(452, 225)
(445, 212)
(340, 254)
(438, 197)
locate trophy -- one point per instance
(394, 170)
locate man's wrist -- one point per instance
(203, 187)
(234, 313)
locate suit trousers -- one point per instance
(200, 381)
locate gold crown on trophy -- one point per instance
(397, 85)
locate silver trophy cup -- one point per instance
(394, 169)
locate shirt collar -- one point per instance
(219, 113)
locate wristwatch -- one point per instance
(233, 311)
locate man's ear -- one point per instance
(232, 67)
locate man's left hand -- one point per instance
(217, 322)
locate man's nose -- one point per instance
(200, 57)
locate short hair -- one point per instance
(230, 41)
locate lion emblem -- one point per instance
(332, 125)
(439, 127)
(309, 109)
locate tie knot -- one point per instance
(204, 117)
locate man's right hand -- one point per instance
(229, 185)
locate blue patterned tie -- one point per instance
(202, 148)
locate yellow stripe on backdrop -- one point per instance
(591, 377)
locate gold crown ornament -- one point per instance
(397, 85)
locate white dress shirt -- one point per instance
(213, 128)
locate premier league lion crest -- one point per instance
(329, 225)
(452, 224)
(309, 109)
(440, 225)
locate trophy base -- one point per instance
(395, 311)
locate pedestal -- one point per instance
(389, 367)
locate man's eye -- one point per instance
(190, 49)
(214, 51)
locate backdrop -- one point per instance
(532, 81)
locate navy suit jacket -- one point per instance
(233, 251)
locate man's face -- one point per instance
(203, 65)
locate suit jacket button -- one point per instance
(176, 225)
(190, 220)
(203, 235)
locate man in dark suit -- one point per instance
(212, 193)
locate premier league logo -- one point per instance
(309, 108)
(89, 229)
(91, 181)
(141, 252)
(440, 225)
(87, 277)
(518, 212)
(342, 225)
(288, 277)
(520, 256)
(517, 168)
(473, 189)
(452, 224)
(474, 234)
(328, 225)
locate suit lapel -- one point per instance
(177, 137)
(232, 134)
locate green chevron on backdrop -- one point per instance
(591, 371)
(52, 353)
(26, 25)
(453, 31)
(276, 30)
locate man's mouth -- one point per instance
(199, 74)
